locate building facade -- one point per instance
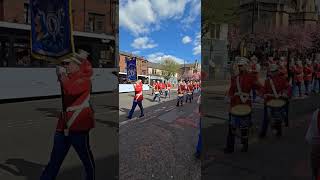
(142, 63)
(95, 25)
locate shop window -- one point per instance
(27, 14)
(96, 23)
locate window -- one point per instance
(96, 23)
(215, 31)
(27, 14)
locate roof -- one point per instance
(75, 33)
(130, 54)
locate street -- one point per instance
(26, 136)
(161, 144)
(267, 159)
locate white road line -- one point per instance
(127, 121)
(147, 119)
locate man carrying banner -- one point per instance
(137, 100)
(74, 125)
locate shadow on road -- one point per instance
(108, 123)
(49, 112)
(106, 168)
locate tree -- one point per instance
(170, 67)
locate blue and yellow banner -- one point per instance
(51, 29)
(131, 69)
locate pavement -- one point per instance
(267, 159)
(161, 144)
(26, 136)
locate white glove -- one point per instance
(60, 70)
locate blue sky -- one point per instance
(157, 29)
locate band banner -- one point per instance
(131, 69)
(51, 29)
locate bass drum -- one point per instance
(276, 103)
(180, 95)
(241, 110)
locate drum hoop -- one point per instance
(244, 115)
(284, 103)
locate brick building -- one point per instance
(142, 63)
(95, 26)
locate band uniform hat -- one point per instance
(72, 59)
(242, 61)
(82, 54)
(273, 67)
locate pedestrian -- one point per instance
(275, 87)
(307, 71)
(313, 138)
(181, 89)
(298, 76)
(138, 98)
(75, 123)
(157, 89)
(240, 105)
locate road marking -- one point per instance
(147, 119)
(127, 121)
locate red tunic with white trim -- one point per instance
(298, 73)
(76, 90)
(181, 89)
(190, 88)
(248, 81)
(307, 71)
(138, 88)
(86, 68)
(169, 86)
(317, 70)
(281, 86)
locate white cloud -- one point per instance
(136, 52)
(136, 16)
(144, 16)
(158, 57)
(197, 44)
(143, 43)
(186, 40)
(194, 12)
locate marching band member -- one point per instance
(189, 90)
(74, 125)
(181, 89)
(283, 71)
(157, 91)
(255, 70)
(86, 67)
(137, 100)
(153, 87)
(168, 85)
(298, 75)
(276, 86)
(307, 71)
(240, 103)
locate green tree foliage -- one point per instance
(170, 67)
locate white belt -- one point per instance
(77, 110)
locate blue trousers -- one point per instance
(156, 96)
(199, 145)
(180, 100)
(265, 122)
(134, 105)
(61, 146)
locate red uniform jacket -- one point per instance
(76, 90)
(248, 81)
(307, 71)
(190, 88)
(181, 89)
(281, 85)
(283, 71)
(157, 87)
(317, 70)
(168, 86)
(138, 88)
(298, 73)
(86, 68)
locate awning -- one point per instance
(27, 27)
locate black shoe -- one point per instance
(141, 115)
(228, 150)
(129, 117)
